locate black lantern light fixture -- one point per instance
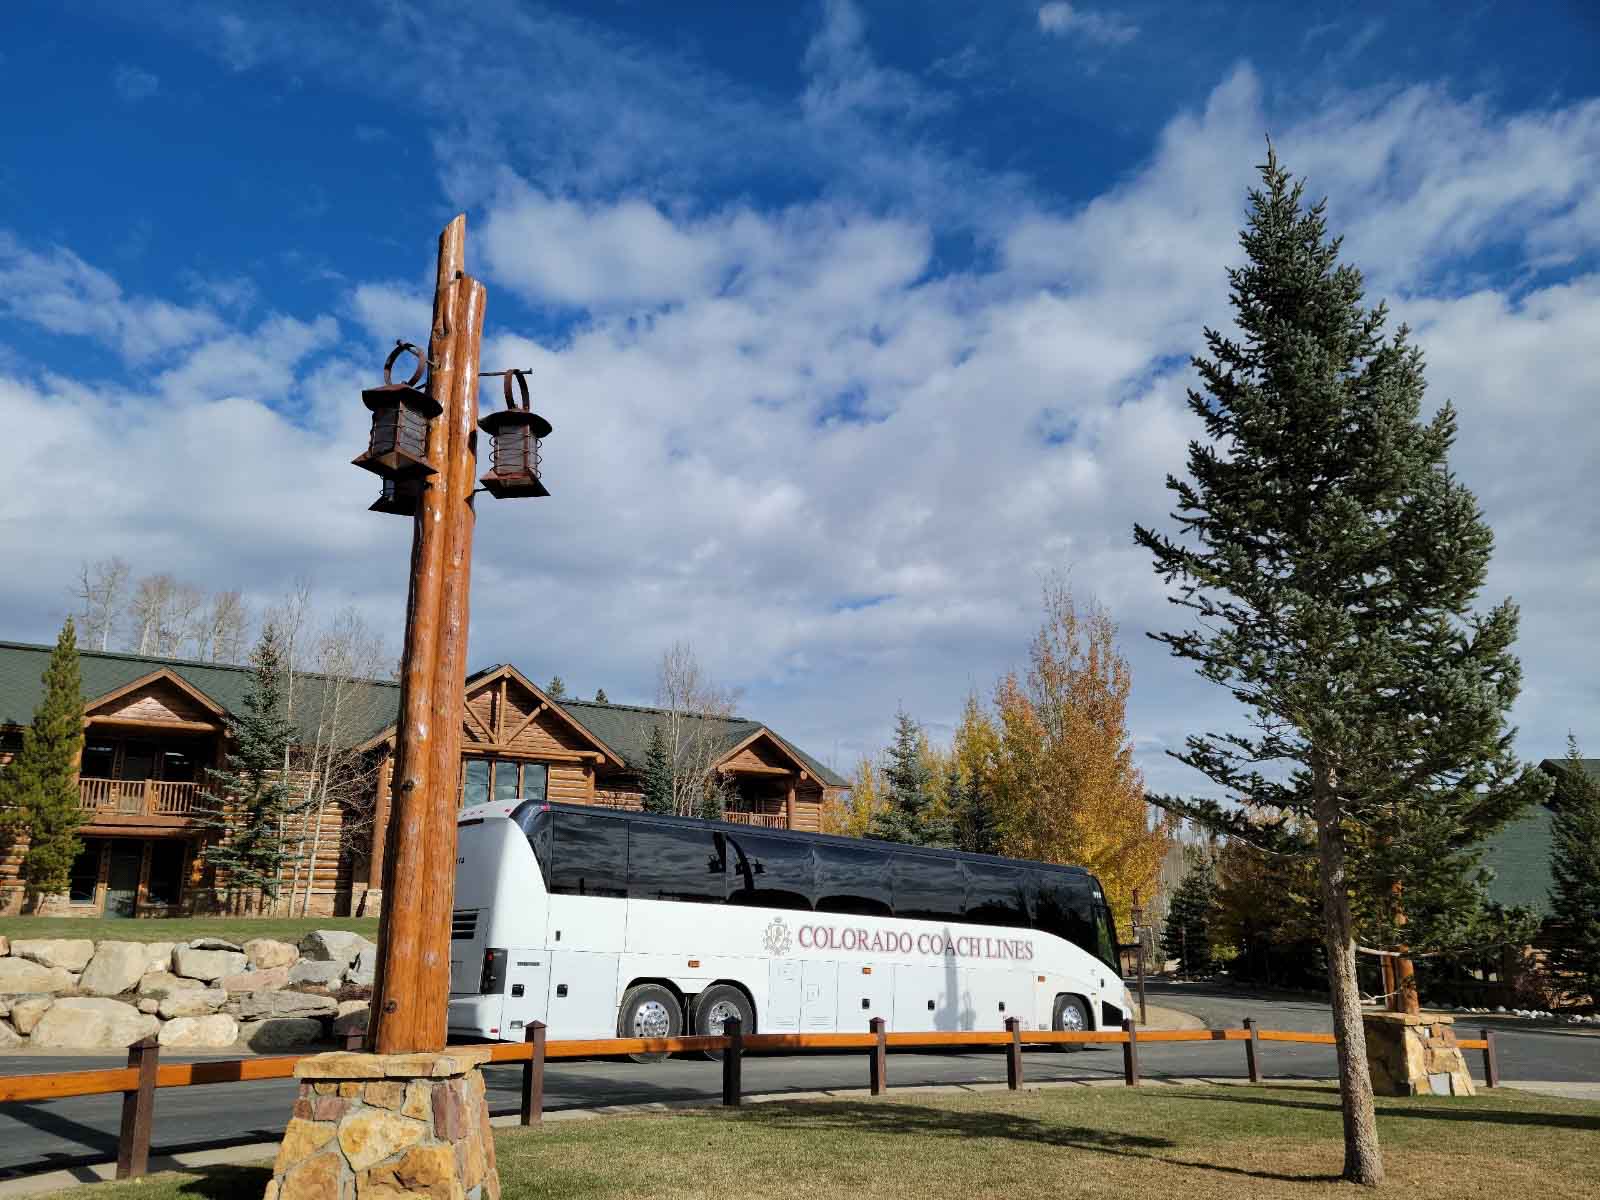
(398, 446)
(517, 431)
(399, 496)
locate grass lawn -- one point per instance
(181, 929)
(1202, 1143)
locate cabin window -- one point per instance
(535, 782)
(99, 759)
(670, 863)
(928, 888)
(84, 876)
(853, 881)
(771, 873)
(503, 780)
(475, 782)
(166, 871)
(589, 856)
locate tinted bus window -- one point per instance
(853, 881)
(666, 863)
(1063, 907)
(589, 856)
(770, 872)
(996, 895)
(928, 889)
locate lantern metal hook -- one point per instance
(404, 347)
(522, 383)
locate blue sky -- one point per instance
(853, 319)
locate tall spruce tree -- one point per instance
(1187, 934)
(556, 689)
(658, 775)
(1575, 867)
(245, 805)
(908, 814)
(39, 790)
(1334, 568)
(972, 812)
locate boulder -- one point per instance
(25, 1014)
(353, 1017)
(211, 1032)
(333, 945)
(9, 1039)
(318, 974)
(116, 967)
(70, 954)
(164, 983)
(91, 1023)
(280, 1033)
(197, 1002)
(149, 1004)
(23, 975)
(256, 981)
(364, 969)
(215, 943)
(255, 1005)
(266, 953)
(198, 963)
(160, 956)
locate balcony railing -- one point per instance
(138, 797)
(763, 820)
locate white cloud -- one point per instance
(1066, 20)
(134, 84)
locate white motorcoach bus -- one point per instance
(603, 923)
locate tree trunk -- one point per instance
(1363, 1160)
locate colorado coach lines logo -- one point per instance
(889, 941)
(776, 938)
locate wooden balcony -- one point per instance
(139, 803)
(761, 820)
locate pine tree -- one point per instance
(1267, 909)
(1336, 567)
(908, 815)
(39, 790)
(600, 697)
(556, 689)
(1187, 934)
(657, 775)
(1575, 866)
(245, 804)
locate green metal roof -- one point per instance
(1519, 854)
(373, 704)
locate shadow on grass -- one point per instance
(916, 1121)
(1430, 1108)
(225, 1182)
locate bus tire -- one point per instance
(649, 1010)
(1071, 1015)
(715, 1005)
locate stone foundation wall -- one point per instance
(210, 994)
(374, 1127)
(1415, 1055)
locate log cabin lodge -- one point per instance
(153, 726)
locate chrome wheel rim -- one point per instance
(1072, 1018)
(651, 1019)
(719, 1014)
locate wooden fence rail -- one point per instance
(144, 1074)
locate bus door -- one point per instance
(527, 990)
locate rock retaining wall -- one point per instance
(205, 994)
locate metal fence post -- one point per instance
(1014, 1054)
(533, 1074)
(1251, 1049)
(138, 1108)
(732, 1062)
(878, 1070)
(1491, 1061)
(1130, 1053)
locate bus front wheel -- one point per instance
(717, 1004)
(652, 1011)
(1071, 1016)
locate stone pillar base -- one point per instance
(1415, 1055)
(383, 1126)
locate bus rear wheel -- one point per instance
(1071, 1016)
(649, 1010)
(716, 1005)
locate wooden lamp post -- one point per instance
(424, 446)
